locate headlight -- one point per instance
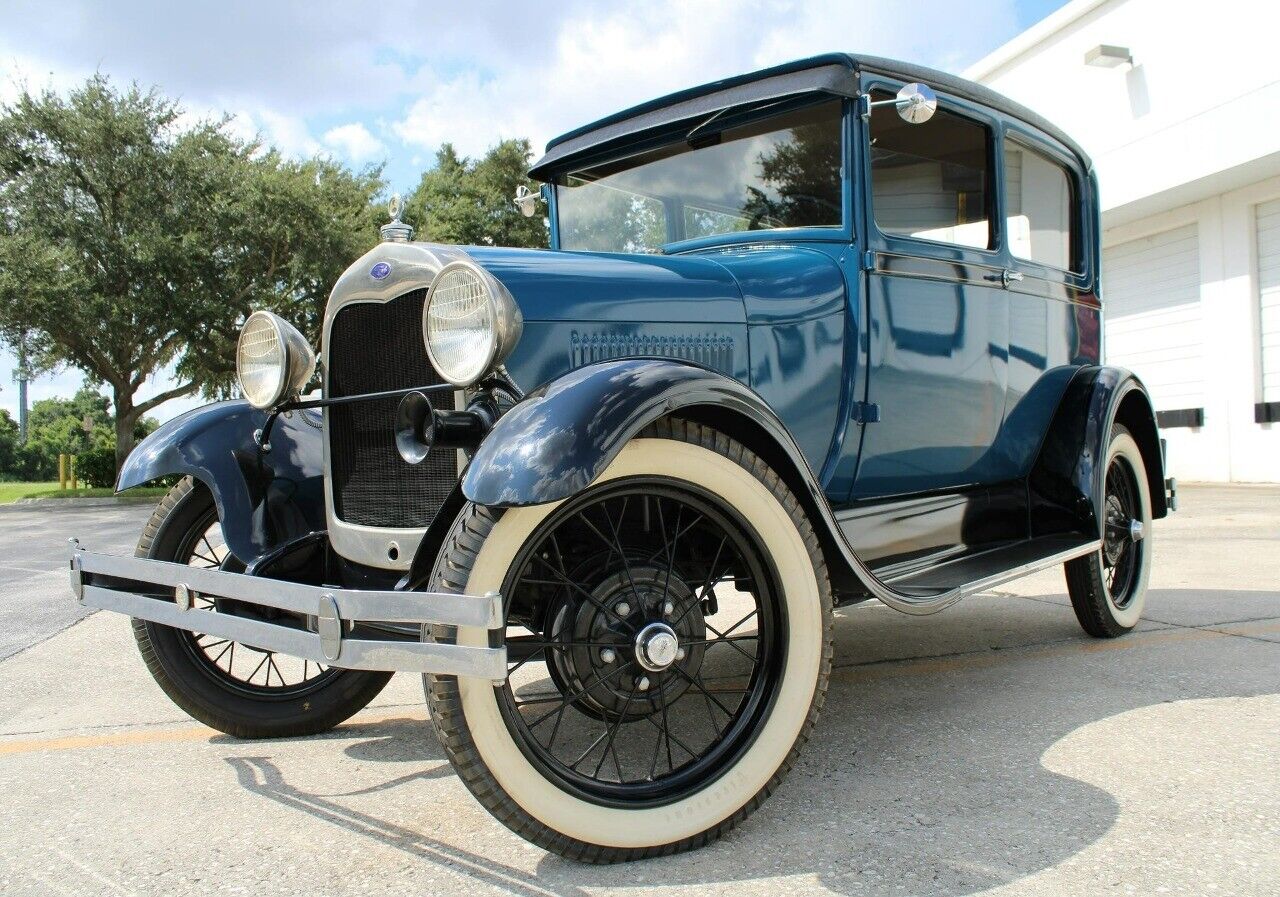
(470, 323)
(273, 360)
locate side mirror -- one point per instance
(527, 201)
(915, 103)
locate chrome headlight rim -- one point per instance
(506, 325)
(296, 363)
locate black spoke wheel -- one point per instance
(661, 632)
(236, 688)
(668, 637)
(1108, 587)
(1121, 552)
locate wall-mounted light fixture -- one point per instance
(1108, 57)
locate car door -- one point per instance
(1053, 307)
(937, 310)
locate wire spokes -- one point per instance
(615, 681)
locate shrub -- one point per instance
(97, 467)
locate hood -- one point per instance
(552, 286)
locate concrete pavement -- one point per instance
(990, 749)
(33, 551)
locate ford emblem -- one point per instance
(379, 271)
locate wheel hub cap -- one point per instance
(656, 647)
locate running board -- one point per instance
(985, 570)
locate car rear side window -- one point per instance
(1039, 204)
(932, 180)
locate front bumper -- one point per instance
(162, 592)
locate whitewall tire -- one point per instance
(517, 779)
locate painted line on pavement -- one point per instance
(884, 669)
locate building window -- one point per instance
(931, 181)
(1039, 205)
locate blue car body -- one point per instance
(929, 401)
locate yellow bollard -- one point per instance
(62, 471)
(72, 466)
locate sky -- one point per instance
(388, 83)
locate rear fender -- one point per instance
(265, 499)
(1067, 480)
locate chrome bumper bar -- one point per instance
(163, 593)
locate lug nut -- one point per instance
(668, 608)
(608, 655)
(680, 654)
(643, 683)
(622, 609)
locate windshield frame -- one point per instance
(728, 119)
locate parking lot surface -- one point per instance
(993, 748)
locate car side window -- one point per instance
(932, 180)
(1038, 204)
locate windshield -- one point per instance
(782, 171)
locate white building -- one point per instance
(1179, 105)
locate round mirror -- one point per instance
(916, 103)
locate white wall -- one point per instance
(1201, 97)
(1189, 134)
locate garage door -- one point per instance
(1269, 298)
(1151, 299)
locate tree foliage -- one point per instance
(80, 425)
(804, 174)
(131, 239)
(469, 201)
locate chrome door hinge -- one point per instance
(866, 413)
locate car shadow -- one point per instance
(925, 774)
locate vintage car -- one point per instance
(820, 334)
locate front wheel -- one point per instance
(1109, 587)
(669, 644)
(235, 688)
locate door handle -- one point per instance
(1006, 277)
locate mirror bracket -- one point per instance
(915, 103)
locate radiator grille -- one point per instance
(376, 346)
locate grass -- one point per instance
(11, 492)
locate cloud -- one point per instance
(606, 58)
(486, 70)
(354, 142)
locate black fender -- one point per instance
(559, 438)
(265, 499)
(1066, 484)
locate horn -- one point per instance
(415, 420)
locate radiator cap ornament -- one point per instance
(395, 230)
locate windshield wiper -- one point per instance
(719, 112)
(696, 128)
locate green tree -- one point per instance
(470, 201)
(131, 241)
(10, 465)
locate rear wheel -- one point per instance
(1109, 587)
(232, 687)
(669, 643)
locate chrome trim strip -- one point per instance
(334, 610)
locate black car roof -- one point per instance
(833, 73)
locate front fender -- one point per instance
(555, 442)
(1067, 481)
(264, 499)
